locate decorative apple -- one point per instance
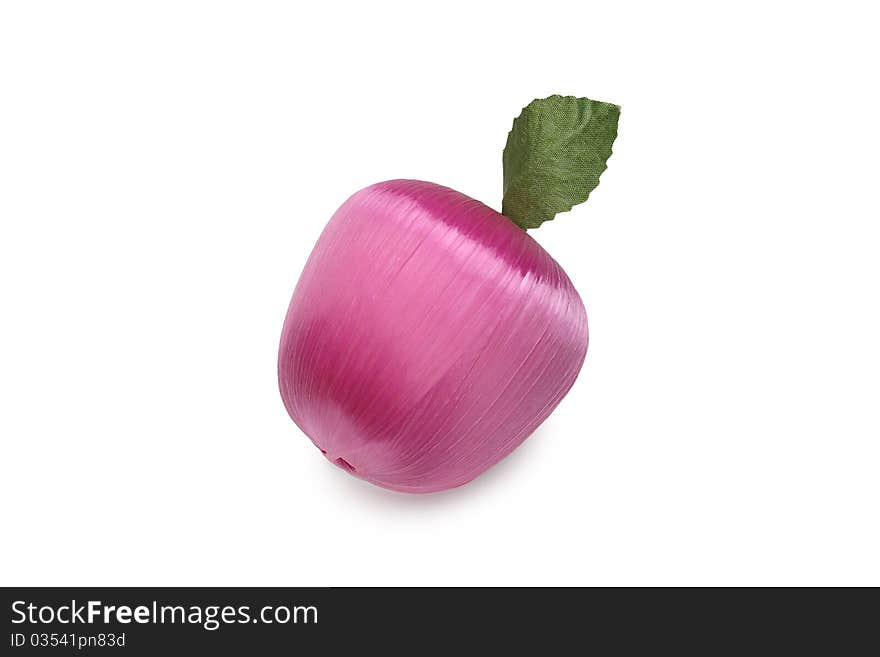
(429, 335)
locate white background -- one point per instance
(166, 167)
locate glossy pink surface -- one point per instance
(428, 336)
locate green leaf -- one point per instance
(554, 156)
